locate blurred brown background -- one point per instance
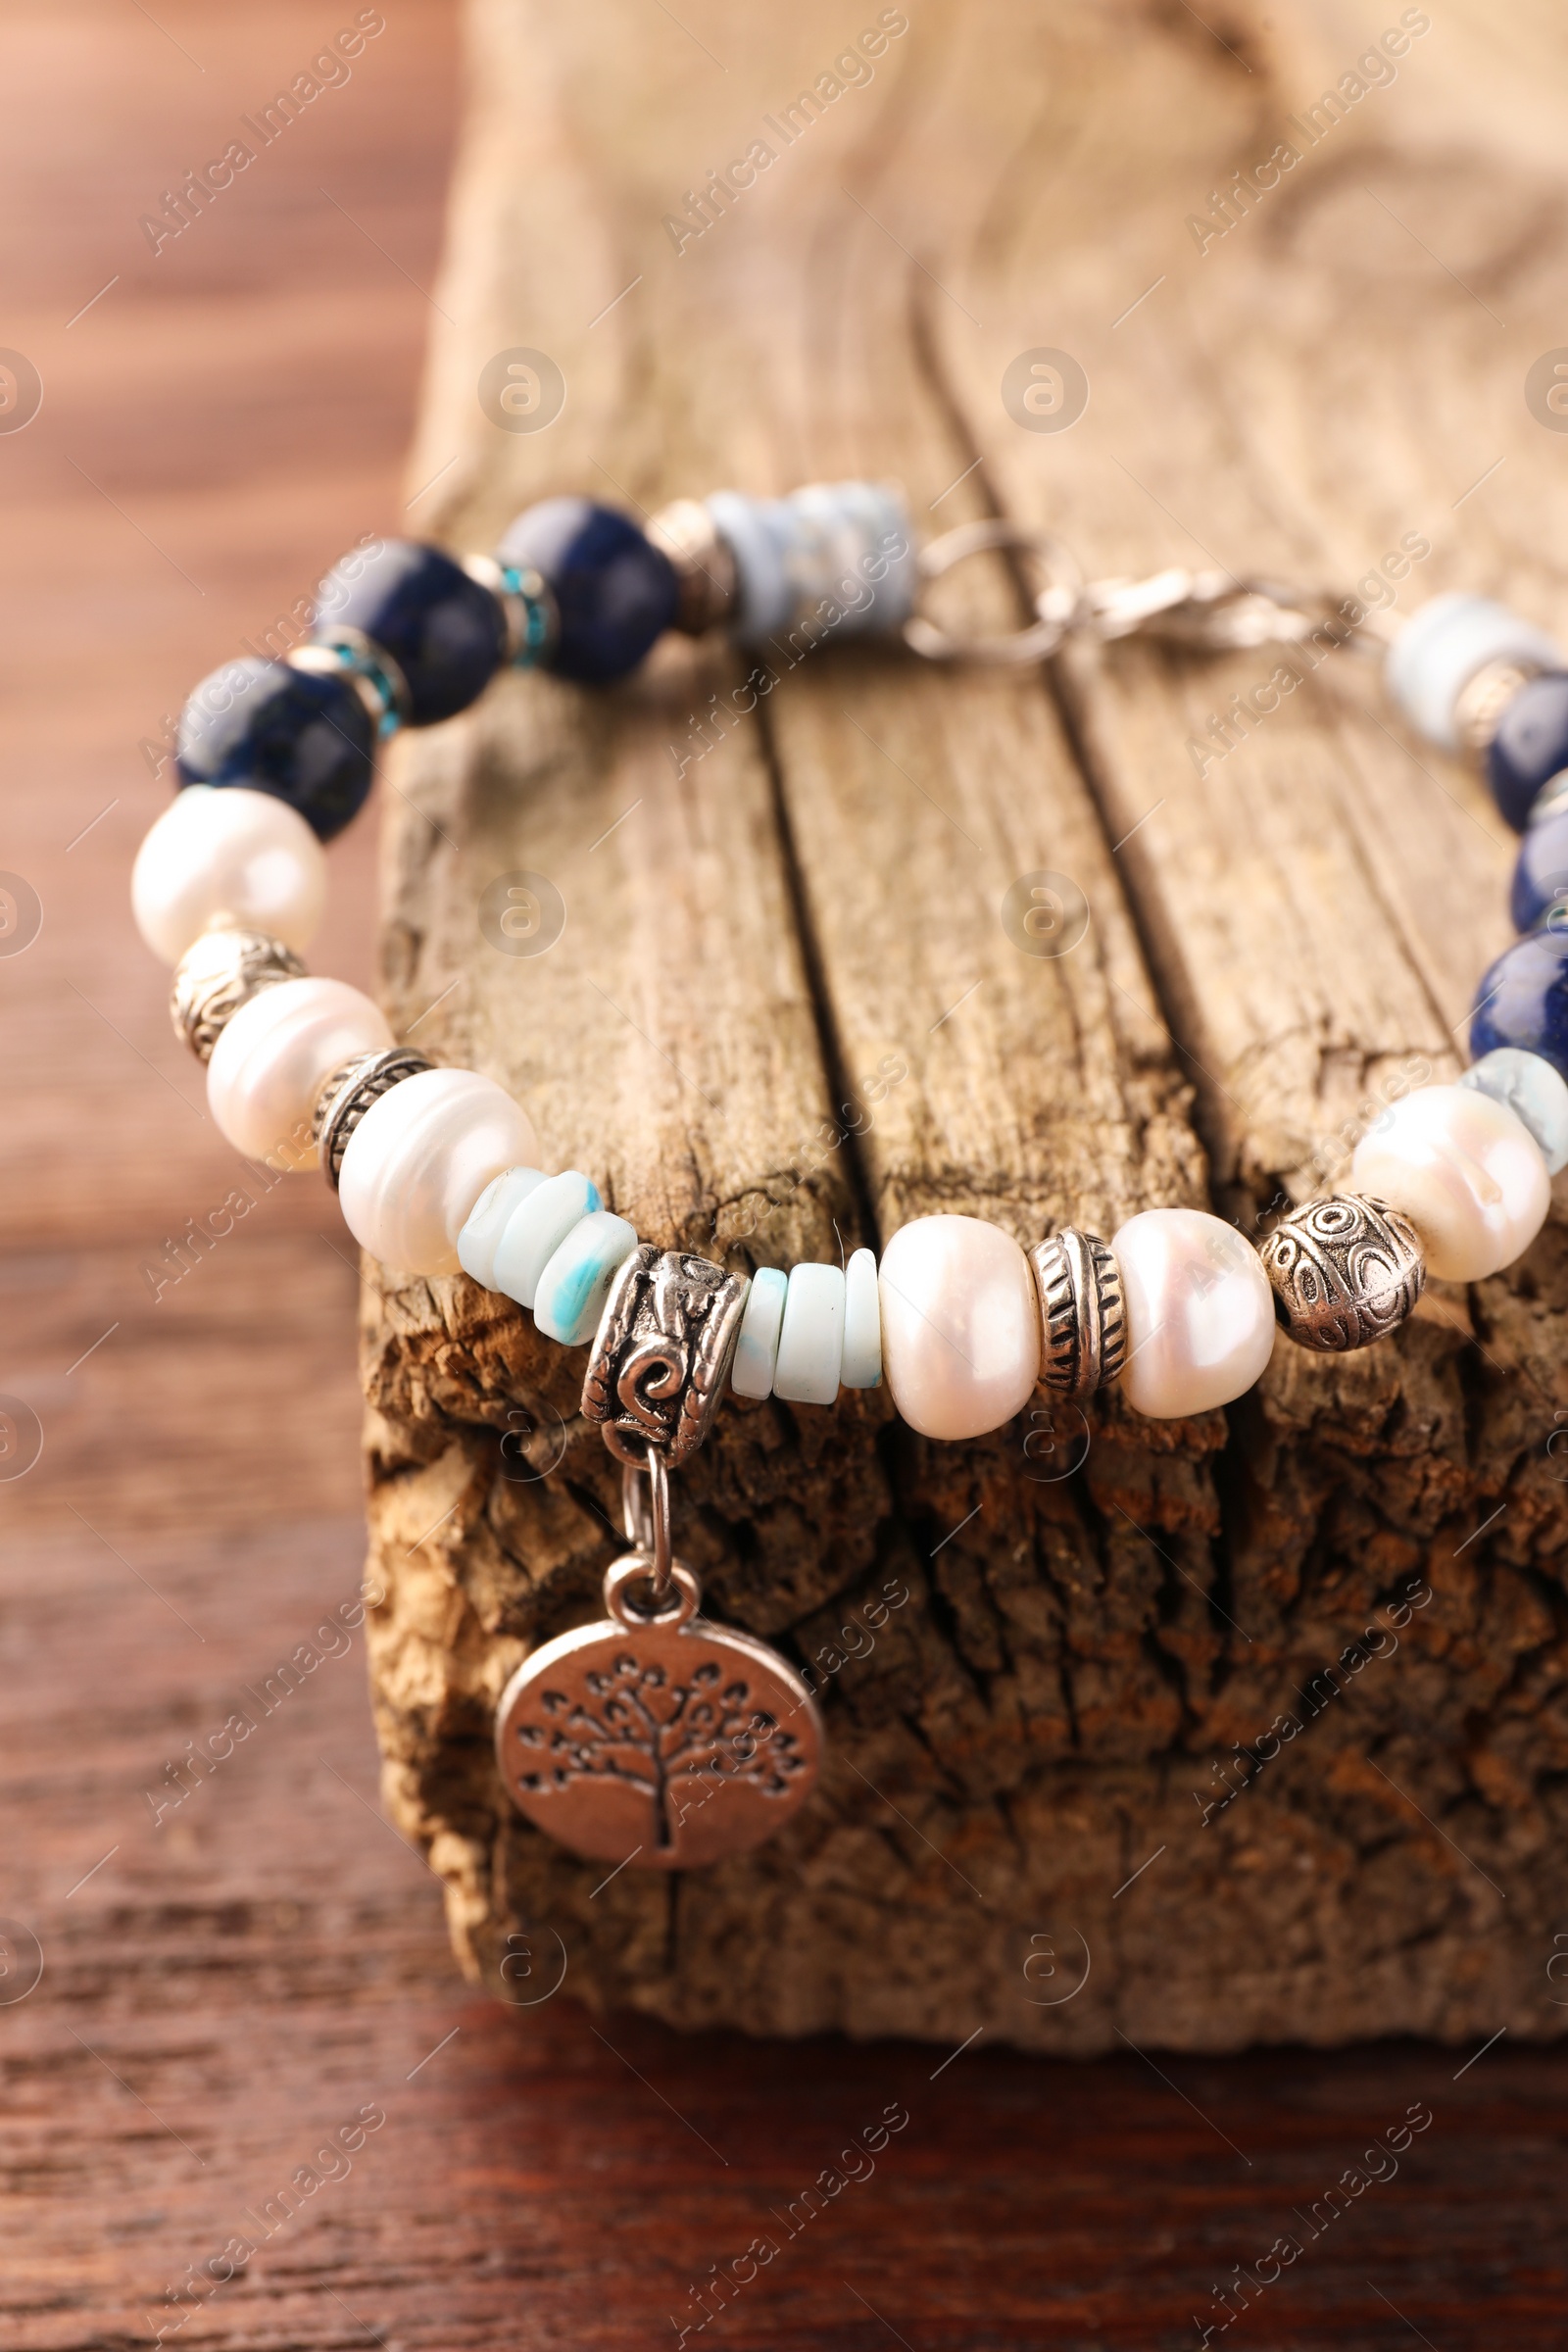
(224, 1993)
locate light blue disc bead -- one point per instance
(756, 1349)
(487, 1221)
(536, 1229)
(863, 1323)
(1532, 1089)
(576, 1283)
(810, 1340)
(1442, 644)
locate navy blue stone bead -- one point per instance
(307, 740)
(446, 634)
(1523, 1001)
(1541, 875)
(615, 592)
(1530, 746)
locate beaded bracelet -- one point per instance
(656, 1736)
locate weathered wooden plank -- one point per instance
(1284, 934)
(270, 1958)
(1318, 903)
(1012, 1086)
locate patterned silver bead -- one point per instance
(661, 1353)
(1484, 697)
(705, 564)
(1343, 1272)
(218, 973)
(347, 1094)
(1083, 1316)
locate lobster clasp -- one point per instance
(1206, 611)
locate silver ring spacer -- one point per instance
(1552, 799)
(1483, 699)
(527, 606)
(703, 563)
(1083, 1315)
(377, 679)
(347, 1094)
(218, 973)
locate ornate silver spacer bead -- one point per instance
(347, 1094)
(218, 973)
(1483, 699)
(1344, 1271)
(661, 1353)
(685, 532)
(1083, 1317)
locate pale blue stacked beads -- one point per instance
(1535, 1092)
(807, 1334)
(834, 556)
(550, 1244)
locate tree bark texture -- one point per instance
(1247, 1728)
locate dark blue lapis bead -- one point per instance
(1540, 873)
(307, 739)
(614, 593)
(1523, 1001)
(1530, 746)
(446, 633)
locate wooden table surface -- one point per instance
(233, 1982)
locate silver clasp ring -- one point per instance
(1055, 607)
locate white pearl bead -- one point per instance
(272, 1057)
(1200, 1312)
(1466, 1171)
(222, 850)
(960, 1326)
(810, 1340)
(418, 1160)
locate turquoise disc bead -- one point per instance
(576, 1283)
(536, 1229)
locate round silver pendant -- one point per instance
(657, 1738)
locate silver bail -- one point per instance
(657, 1367)
(644, 1511)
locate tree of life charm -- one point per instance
(657, 1740)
